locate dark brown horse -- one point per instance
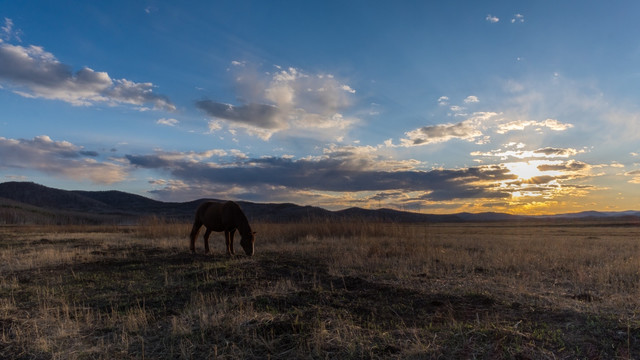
(227, 217)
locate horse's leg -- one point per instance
(194, 233)
(228, 239)
(206, 241)
(231, 233)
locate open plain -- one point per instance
(492, 290)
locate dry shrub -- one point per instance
(155, 227)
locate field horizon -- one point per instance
(323, 290)
(29, 203)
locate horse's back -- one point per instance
(216, 216)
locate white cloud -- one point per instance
(492, 19)
(555, 125)
(288, 100)
(191, 156)
(441, 133)
(517, 18)
(443, 100)
(58, 158)
(7, 31)
(167, 122)
(471, 99)
(366, 158)
(348, 88)
(33, 72)
(519, 125)
(547, 152)
(215, 125)
(468, 130)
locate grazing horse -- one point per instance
(225, 217)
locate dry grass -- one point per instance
(323, 290)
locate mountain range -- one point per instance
(27, 202)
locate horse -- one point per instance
(227, 217)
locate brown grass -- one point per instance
(323, 290)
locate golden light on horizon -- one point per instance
(524, 170)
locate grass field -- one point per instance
(323, 290)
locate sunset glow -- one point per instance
(524, 170)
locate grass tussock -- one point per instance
(322, 290)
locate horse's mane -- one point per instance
(243, 222)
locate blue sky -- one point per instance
(513, 106)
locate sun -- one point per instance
(524, 170)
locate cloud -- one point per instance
(471, 99)
(492, 19)
(8, 32)
(468, 130)
(286, 100)
(517, 18)
(547, 152)
(443, 100)
(440, 133)
(201, 156)
(555, 152)
(569, 166)
(255, 115)
(520, 125)
(339, 169)
(635, 176)
(167, 122)
(36, 73)
(58, 158)
(363, 175)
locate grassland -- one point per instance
(323, 290)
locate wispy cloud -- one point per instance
(571, 165)
(167, 122)
(284, 100)
(58, 158)
(519, 125)
(33, 72)
(547, 152)
(468, 130)
(8, 32)
(517, 18)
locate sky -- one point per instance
(523, 107)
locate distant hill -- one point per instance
(22, 202)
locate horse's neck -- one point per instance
(244, 228)
(243, 224)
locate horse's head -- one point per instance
(247, 242)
